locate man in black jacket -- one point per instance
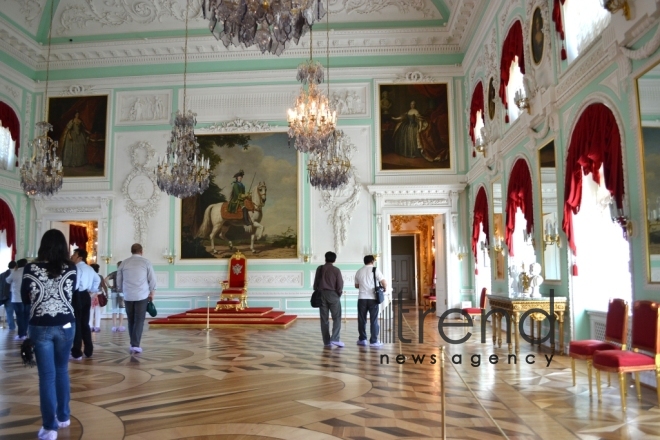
(329, 281)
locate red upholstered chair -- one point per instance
(234, 288)
(476, 311)
(616, 336)
(645, 337)
(429, 299)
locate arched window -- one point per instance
(7, 235)
(578, 22)
(520, 216)
(9, 137)
(594, 180)
(477, 113)
(512, 69)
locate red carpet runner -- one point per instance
(252, 317)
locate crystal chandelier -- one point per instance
(268, 23)
(183, 172)
(331, 168)
(42, 173)
(312, 121)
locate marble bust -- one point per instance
(535, 279)
(514, 284)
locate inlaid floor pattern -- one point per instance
(283, 384)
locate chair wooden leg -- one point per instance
(589, 363)
(622, 390)
(638, 387)
(609, 379)
(657, 383)
(598, 384)
(573, 369)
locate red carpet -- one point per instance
(252, 317)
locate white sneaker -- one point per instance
(71, 358)
(47, 434)
(376, 344)
(337, 343)
(64, 424)
(121, 328)
(114, 329)
(362, 342)
(18, 338)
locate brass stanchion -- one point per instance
(442, 393)
(208, 314)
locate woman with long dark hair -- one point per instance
(48, 285)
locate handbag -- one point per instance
(27, 353)
(316, 299)
(379, 291)
(151, 309)
(102, 299)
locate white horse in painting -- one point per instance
(215, 224)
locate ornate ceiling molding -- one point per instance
(238, 125)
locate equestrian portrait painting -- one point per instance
(251, 203)
(79, 125)
(414, 127)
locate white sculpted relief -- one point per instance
(141, 108)
(371, 6)
(31, 9)
(348, 102)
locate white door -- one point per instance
(403, 279)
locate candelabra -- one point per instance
(462, 253)
(619, 216)
(480, 146)
(521, 100)
(551, 235)
(107, 258)
(169, 255)
(498, 247)
(617, 5)
(306, 254)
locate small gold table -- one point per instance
(516, 307)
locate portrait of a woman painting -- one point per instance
(79, 125)
(414, 127)
(537, 38)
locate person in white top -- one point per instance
(364, 282)
(87, 284)
(15, 279)
(136, 278)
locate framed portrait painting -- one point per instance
(80, 127)
(414, 127)
(251, 203)
(537, 38)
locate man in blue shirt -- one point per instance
(87, 283)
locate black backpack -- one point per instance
(5, 288)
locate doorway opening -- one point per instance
(81, 234)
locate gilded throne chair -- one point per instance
(234, 288)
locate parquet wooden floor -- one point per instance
(283, 384)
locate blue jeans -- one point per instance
(22, 317)
(52, 346)
(9, 311)
(371, 306)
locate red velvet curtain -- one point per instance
(78, 236)
(595, 141)
(559, 24)
(519, 195)
(480, 217)
(10, 121)
(511, 48)
(7, 224)
(476, 105)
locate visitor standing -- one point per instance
(329, 281)
(367, 302)
(87, 284)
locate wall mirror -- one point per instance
(648, 86)
(497, 237)
(550, 223)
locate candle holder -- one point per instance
(306, 255)
(462, 253)
(169, 255)
(521, 100)
(107, 258)
(619, 216)
(498, 247)
(617, 5)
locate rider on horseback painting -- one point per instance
(238, 197)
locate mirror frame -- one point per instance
(497, 258)
(642, 152)
(542, 223)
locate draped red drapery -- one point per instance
(476, 105)
(595, 141)
(78, 236)
(10, 121)
(559, 24)
(480, 217)
(7, 224)
(519, 195)
(511, 48)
